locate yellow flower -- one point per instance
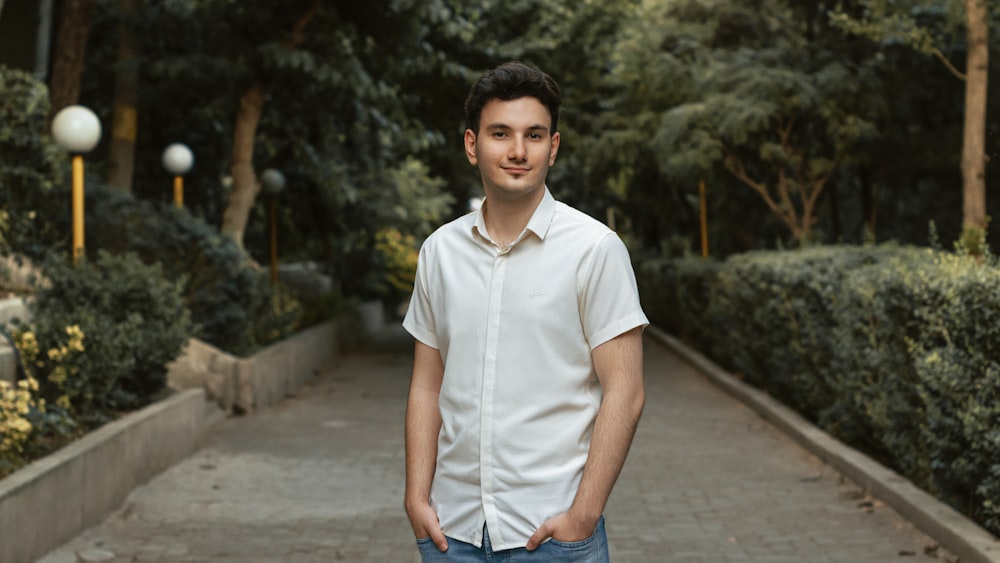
(75, 338)
(58, 375)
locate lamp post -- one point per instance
(273, 181)
(77, 130)
(178, 160)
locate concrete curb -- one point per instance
(956, 533)
(48, 502)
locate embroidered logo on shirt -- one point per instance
(536, 293)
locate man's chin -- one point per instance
(513, 193)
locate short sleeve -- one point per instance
(609, 296)
(419, 319)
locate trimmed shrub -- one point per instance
(128, 318)
(233, 306)
(895, 350)
(674, 293)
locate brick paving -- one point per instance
(320, 478)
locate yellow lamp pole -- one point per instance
(178, 160)
(273, 181)
(77, 130)
(179, 191)
(78, 189)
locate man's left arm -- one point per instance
(618, 363)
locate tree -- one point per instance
(778, 118)
(922, 25)
(251, 106)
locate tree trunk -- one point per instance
(124, 120)
(974, 140)
(71, 48)
(245, 185)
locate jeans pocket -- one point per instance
(589, 550)
(574, 545)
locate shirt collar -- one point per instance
(538, 224)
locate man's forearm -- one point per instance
(423, 423)
(613, 431)
(619, 366)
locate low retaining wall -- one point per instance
(52, 500)
(242, 385)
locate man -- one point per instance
(527, 377)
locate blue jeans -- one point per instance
(591, 550)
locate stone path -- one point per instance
(320, 478)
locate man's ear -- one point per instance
(554, 148)
(470, 146)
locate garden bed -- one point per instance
(46, 503)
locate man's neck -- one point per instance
(506, 218)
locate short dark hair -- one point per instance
(510, 81)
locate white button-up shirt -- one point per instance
(515, 328)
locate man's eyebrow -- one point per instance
(535, 127)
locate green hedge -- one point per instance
(892, 349)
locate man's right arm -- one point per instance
(423, 423)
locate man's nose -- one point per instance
(518, 150)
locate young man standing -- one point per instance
(527, 379)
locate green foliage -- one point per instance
(778, 118)
(973, 242)
(917, 24)
(892, 349)
(131, 322)
(29, 162)
(397, 265)
(231, 303)
(421, 204)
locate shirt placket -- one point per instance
(487, 415)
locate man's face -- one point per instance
(514, 147)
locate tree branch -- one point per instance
(937, 53)
(298, 35)
(735, 167)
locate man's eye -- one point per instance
(499, 134)
(535, 136)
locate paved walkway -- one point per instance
(320, 478)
